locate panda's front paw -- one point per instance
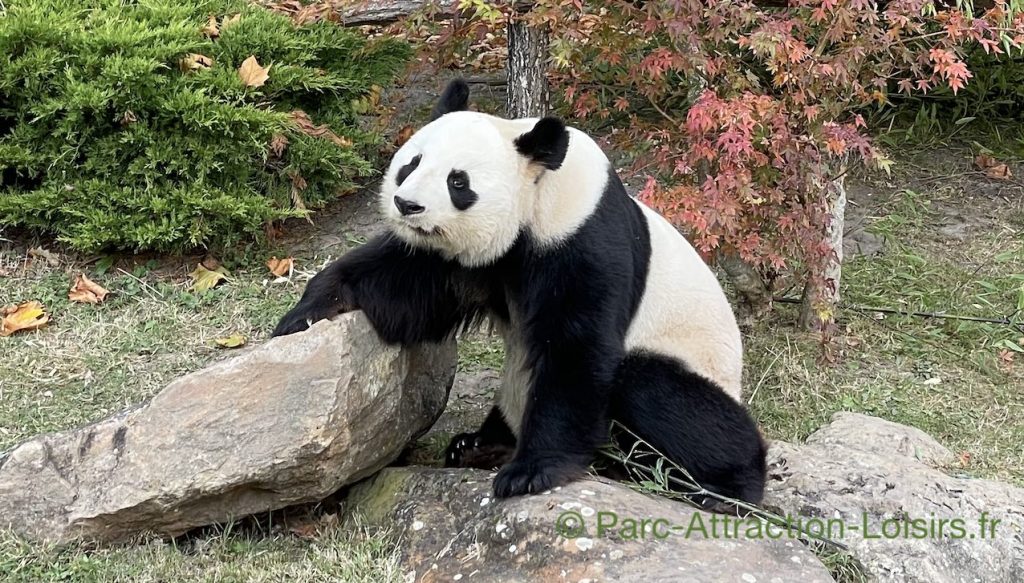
(532, 476)
(470, 450)
(296, 320)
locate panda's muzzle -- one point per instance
(407, 207)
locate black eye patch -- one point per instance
(461, 194)
(406, 170)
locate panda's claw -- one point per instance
(471, 450)
(299, 319)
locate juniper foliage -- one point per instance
(108, 141)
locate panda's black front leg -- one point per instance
(328, 294)
(566, 413)
(409, 295)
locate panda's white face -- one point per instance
(457, 186)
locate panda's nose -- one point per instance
(407, 207)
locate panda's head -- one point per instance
(466, 183)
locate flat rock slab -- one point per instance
(871, 485)
(287, 422)
(452, 529)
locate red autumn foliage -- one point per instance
(743, 114)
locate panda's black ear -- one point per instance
(546, 144)
(454, 98)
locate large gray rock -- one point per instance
(872, 476)
(287, 422)
(452, 529)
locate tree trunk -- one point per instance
(820, 304)
(754, 297)
(528, 94)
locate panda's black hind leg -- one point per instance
(692, 422)
(488, 449)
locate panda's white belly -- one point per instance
(684, 312)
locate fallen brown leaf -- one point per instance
(211, 29)
(281, 267)
(194, 62)
(306, 530)
(278, 144)
(305, 125)
(964, 458)
(272, 230)
(403, 135)
(210, 262)
(49, 256)
(999, 172)
(993, 168)
(1006, 358)
(288, 6)
(298, 185)
(25, 316)
(230, 20)
(252, 74)
(85, 290)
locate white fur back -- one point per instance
(684, 312)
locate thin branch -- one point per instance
(1002, 321)
(695, 489)
(670, 119)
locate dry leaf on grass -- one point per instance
(211, 29)
(206, 279)
(233, 341)
(26, 316)
(305, 125)
(306, 530)
(231, 20)
(86, 291)
(49, 256)
(210, 262)
(1006, 357)
(278, 144)
(403, 135)
(993, 168)
(194, 62)
(252, 74)
(964, 458)
(281, 267)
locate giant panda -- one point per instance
(606, 311)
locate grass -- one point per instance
(945, 376)
(92, 361)
(334, 554)
(480, 351)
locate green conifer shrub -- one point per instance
(126, 124)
